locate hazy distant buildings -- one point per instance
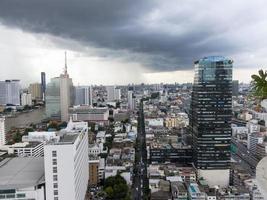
(110, 93)
(10, 92)
(66, 163)
(35, 89)
(131, 100)
(117, 94)
(52, 98)
(83, 95)
(26, 99)
(43, 84)
(210, 118)
(113, 93)
(2, 131)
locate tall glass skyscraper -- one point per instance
(211, 112)
(43, 84)
(52, 98)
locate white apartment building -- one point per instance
(27, 149)
(2, 131)
(9, 92)
(110, 93)
(26, 99)
(66, 163)
(117, 95)
(253, 140)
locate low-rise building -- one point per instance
(22, 178)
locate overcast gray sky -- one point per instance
(126, 41)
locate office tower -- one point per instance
(43, 84)
(2, 131)
(131, 100)
(83, 95)
(26, 99)
(52, 98)
(110, 93)
(66, 93)
(235, 88)
(117, 94)
(210, 118)
(66, 163)
(35, 89)
(10, 92)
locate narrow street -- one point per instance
(140, 180)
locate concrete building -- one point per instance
(66, 163)
(117, 94)
(83, 95)
(35, 89)
(22, 178)
(10, 92)
(2, 131)
(66, 94)
(235, 87)
(93, 172)
(253, 140)
(26, 99)
(131, 100)
(86, 113)
(110, 93)
(261, 150)
(27, 149)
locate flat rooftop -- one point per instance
(21, 172)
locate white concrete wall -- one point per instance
(215, 177)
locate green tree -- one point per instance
(17, 137)
(110, 192)
(259, 84)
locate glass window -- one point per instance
(54, 153)
(55, 192)
(54, 177)
(21, 195)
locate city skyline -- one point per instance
(148, 42)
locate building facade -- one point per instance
(10, 92)
(210, 117)
(2, 131)
(26, 99)
(83, 95)
(110, 93)
(67, 156)
(35, 89)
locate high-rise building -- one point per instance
(26, 99)
(83, 95)
(35, 89)
(43, 84)
(131, 100)
(52, 98)
(66, 163)
(60, 96)
(110, 93)
(117, 94)
(10, 92)
(210, 118)
(2, 131)
(235, 88)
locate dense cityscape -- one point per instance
(133, 100)
(200, 140)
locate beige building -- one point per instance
(93, 172)
(36, 91)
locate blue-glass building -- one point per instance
(211, 112)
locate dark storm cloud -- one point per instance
(162, 35)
